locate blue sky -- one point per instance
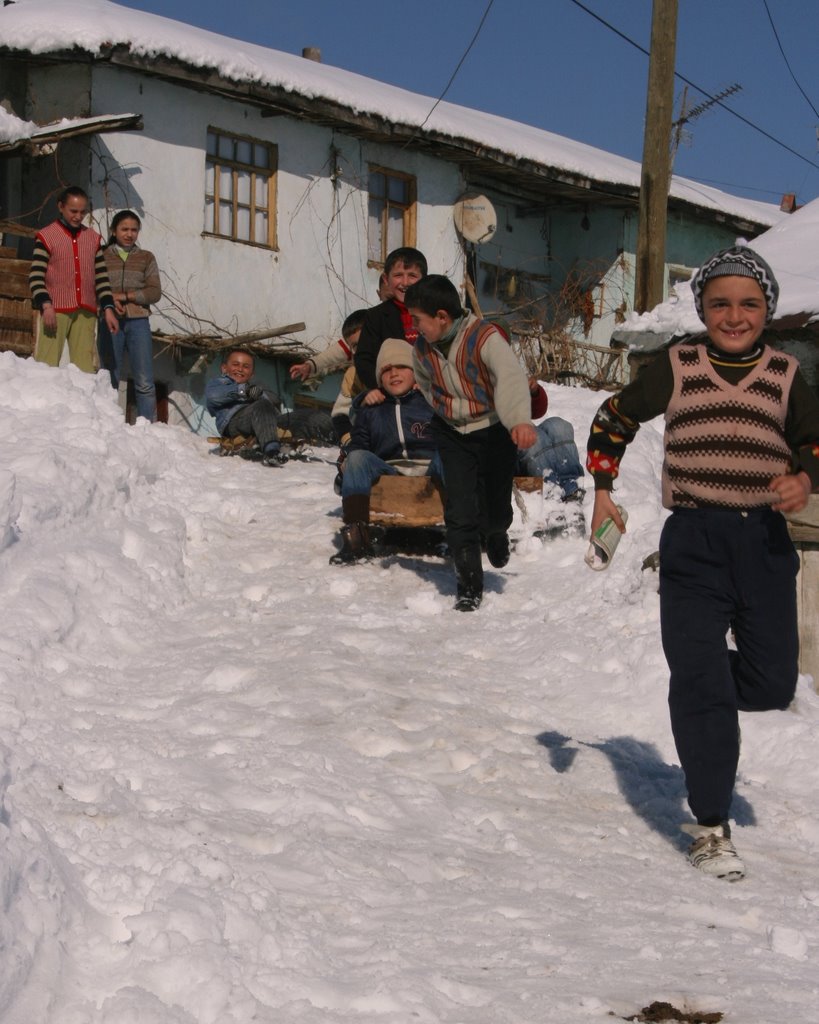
(551, 64)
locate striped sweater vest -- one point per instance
(474, 381)
(724, 442)
(70, 275)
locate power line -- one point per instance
(699, 88)
(458, 66)
(787, 62)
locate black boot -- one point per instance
(469, 575)
(497, 549)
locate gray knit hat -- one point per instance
(738, 261)
(393, 352)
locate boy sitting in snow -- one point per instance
(241, 407)
(391, 436)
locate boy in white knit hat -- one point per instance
(389, 437)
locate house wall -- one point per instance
(572, 266)
(556, 262)
(319, 273)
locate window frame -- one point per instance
(409, 212)
(233, 167)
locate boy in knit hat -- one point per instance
(391, 436)
(741, 447)
(471, 377)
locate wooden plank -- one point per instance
(808, 611)
(529, 484)
(14, 278)
(418, 500)
(804, 530)
(406, 501)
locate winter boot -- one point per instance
(469, 576)
(355, 545)
(355, 534)
(497, 549)
(713, 852)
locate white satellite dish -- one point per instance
(475, 218)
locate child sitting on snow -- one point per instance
(390, 437)
(241, 407)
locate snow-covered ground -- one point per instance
(241, 785)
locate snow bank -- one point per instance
(238, 784)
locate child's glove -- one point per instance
(254, 392)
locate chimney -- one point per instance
(312, 53)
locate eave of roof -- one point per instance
(537, 181)
(47, 135)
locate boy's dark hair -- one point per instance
(353, 323)
(238, 348)
(433, 293)
(409, 257)
(73, 190)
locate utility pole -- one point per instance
(649, 284)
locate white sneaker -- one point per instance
(713, 852)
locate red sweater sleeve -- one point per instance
(540, 402)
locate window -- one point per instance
(240, 189)
(391, 213)
(677, 274)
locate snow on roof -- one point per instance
(791, 247)
(50, 26)
(14, 129)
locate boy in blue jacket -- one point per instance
(241, 407)
(390, 436)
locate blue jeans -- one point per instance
(363, 468)
(133, 337)
(554, 455)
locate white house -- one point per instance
(272, 186)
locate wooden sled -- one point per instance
(234, 445)
(417, 501)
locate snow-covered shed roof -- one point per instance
(791, 247)
(15, 133)
(292, 84)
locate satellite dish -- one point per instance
(475, 218)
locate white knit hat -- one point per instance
(393, 352)
(738, 261)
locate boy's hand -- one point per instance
(374, 397)
(791, 492)
(524, 435)
(300, 371)
(49, 319)
(604, 508)
(111, 320)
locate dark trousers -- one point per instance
(479, 469)
(721, 569)
(257, 418)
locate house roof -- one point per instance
(531, 158)
(792, 250)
